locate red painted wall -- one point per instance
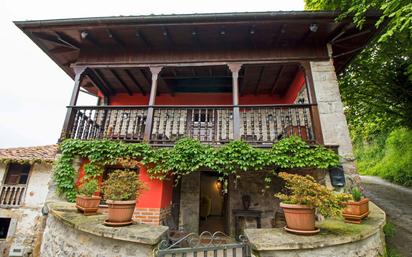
(212, 98)
(157, 195)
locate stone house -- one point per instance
(258, 77)
(24, 173)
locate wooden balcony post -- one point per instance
(152, 100)
(235, 68)
(68, 121)
(314, 112)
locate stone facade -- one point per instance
(27, 221)
(332, 118)
(61, 239)
(189, 203)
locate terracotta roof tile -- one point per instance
(43, 153)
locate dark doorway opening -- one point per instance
(212, 203)
(4, 227)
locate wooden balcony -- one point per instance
(12, 195)
(258, 124)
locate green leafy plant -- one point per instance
(122, 185)
(89, 187)
(187, 156)
(356, 194)
(305, 190)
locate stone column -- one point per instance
(152, 99)
(332, 118)
(235, 68)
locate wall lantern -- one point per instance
(337, 176)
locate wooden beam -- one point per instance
(87, 35)
(259, 79)
(143, 38)
(115, 38)
(166, 34)
(62, 50)
(351, 36)
(243, 85)
(132, 78)
(101, 77)
(122, 83)
(278, 75)
(278, 35)
(50, 38)
(67, 40)
(97, 82)
(143, 75)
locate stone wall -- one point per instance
(63, 240)
(189, 203)
(26, 225)
(262, 198)
(332, 118)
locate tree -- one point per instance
(377, 87)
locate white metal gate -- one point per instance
(204, 245)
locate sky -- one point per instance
(34, 91)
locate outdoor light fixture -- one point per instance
(84, 34)
(337, 176)
(313, 27)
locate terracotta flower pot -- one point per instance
(299, 218)
(88, 205)
(354, 212)
(120, 212)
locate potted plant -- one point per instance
(86, 201)
(357, 209)
(120, 191)
(304, 195)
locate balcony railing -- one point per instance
(12, 195)
(261, 124)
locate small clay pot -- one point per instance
(299, 218)
(88, 204)
(354, 212)
(120, 211)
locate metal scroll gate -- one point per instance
(204, 245)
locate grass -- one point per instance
(389, 231)
(388, 156)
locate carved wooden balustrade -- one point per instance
(262, 124)
(12, 195)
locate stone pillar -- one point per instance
(235, 68)
(189, 203)
(152, 100)
(332, 118)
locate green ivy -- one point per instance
(187, 156)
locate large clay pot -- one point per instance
(354, 212)
(299, 217)
(120, 211)
(88, 205)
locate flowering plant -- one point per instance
(304, 190)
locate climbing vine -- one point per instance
(187, 156)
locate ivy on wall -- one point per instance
(187, 156)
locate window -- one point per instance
(17, 174)
(4, 227)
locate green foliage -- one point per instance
(305, 190)
(389, 229)
(356, 194)
(187, 156)
(89, 187)
(397, 11)
(390, 158)
(122, 185)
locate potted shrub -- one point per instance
(357, 209)
(120, 191)
(85, 200)
(304, 195)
